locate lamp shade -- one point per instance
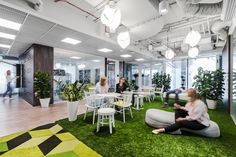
(193, 52)
(123, 39)
(169, 54)
(193, 38)
(111, 17)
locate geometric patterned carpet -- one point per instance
(49, 140)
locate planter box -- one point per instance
(211, 103)
(44, 102)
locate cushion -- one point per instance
(158, 119)
(182, 96)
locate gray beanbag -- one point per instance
(159, 118)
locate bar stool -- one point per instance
(138, 101)
(106, 114)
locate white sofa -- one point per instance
(158, 119)
(182, 96)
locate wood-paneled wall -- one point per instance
(36, 58)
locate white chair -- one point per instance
(125, 104)
(93, 103)
(106, 114)
(160, 92)
(147, 94)
(138, 101)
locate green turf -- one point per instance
(134, 138)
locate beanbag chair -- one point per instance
(158, 119)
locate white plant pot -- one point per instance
(211, 104)
(44, 102)
(72, 110)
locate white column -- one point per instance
(140, 76)
(150, 77)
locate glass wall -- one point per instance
(7, 65)
(233, 105)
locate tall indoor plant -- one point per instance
(73, 93)
(210, 85)
(162, 79)
(42, 87)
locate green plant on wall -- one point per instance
(160, 79)
(74, 91)
(42, 85)
(210, 84)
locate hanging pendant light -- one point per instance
(111, 16)
(193, 52)
(169, 54)
(193, 38)
(123, 39)
(163, 7)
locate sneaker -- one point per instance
(11, 98)
(155, 132)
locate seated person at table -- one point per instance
(102, 86)
(176, 92)
(193, 116)
(121, 86)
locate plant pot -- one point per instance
(44, 102)
(72, 107)
(211, 103)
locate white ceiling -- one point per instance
(60, 20)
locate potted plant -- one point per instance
(210, 85)
(162, 79)
(42, 87)
(73, 92)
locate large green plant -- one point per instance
(160, 79)
(42, 85)
(210, 84)
(74, 91)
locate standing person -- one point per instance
(102, 86)
(193, 116)
(121, 86)
(9, 87)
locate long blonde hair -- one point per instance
(103, 81)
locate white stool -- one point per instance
(138, 101)
(103, 114)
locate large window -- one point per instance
(233, 105)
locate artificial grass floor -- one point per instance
(134, 138)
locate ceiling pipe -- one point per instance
(66, 1)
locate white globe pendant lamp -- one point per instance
(123, 39)
(111, 16)
(193, 38)
(193, 52)
(163, 7)
(169, 54)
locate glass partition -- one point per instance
(233, 105)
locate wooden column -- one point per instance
(36, 58)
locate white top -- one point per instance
(198, 111)
(101, 89)
(9, 78)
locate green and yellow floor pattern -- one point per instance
(49, 140)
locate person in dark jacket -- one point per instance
(121, 86)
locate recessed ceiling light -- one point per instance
(7, 36)
(96, 60)
(9, 24)
(139, 59)
(5, 46)
(71, 41)
(105, 50)
(75, 57)
(125, 56)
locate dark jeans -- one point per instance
(193, 125)
(9, 90)
(175, 91)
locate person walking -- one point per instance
(9, 87)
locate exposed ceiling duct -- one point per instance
(228, 11)
(201, 9)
